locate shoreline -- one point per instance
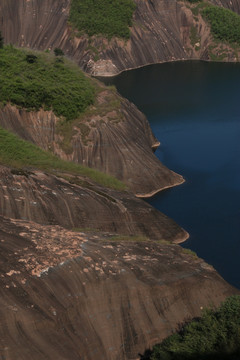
(158, 63)
(154, 192)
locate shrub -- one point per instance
(216, 335)
(1, 41)
(30, 58)
(108, 18)
(49, 84)
(225, 24)
(58, 52)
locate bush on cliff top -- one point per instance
(216, 335)
(17, 153)
(225, 24)
(34, 81)
(108, 18)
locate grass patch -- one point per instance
(225, 24)
(213, 336)
(194, 37)
(189, 252)
(108, 18)
(21, 154)
(39, 80)
(85, 230)
(128, 238)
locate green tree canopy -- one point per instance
(216, 335)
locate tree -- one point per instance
(1, 41)
(58, 52)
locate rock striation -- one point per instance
(68, 295)
(74, 202)
(161, 32)
(89, 294)
(115, 139)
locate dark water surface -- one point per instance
(194, 111)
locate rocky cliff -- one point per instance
(74, 202)
(68, 295)
(161, 32)
(86, 294)
(113, 137)
(71, 294)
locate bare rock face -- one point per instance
(161, 32)
(117, 141)
(47, 199)
(67, 295)
(233, 5)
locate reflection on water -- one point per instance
(194, 111)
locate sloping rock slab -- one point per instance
(120, 143)
(47, 199)
(67, 295)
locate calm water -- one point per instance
(194, 111)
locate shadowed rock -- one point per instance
(67, 295)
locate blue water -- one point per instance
(194, 111)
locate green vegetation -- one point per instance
(1, 41)
(216, 335)
(196, 9)
(225, 24)
(195, 38)
(108, 18)
(38, 80)
(21, 154)
(189, 252)
(128, 238)
(107, 106)
(58, 52)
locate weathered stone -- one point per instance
(119, 143)
(67, 295)
(47, 199)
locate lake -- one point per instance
(194, 111)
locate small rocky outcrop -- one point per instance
(161, 32)
(68, 295)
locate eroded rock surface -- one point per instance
(117, 141)
(68, 295)
(161, 32)
(47, 199)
